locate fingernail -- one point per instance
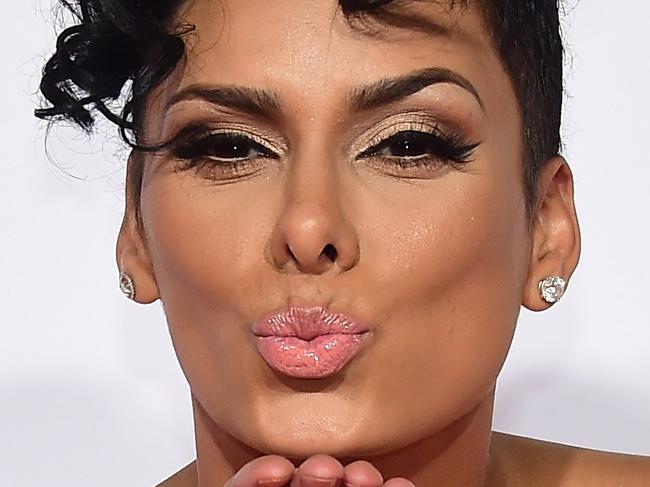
(270, 483)
(309, 481)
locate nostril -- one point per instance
(330, 252)
(290, 253)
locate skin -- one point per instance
(437, 259)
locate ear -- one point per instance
(132, 252)
(555, 248)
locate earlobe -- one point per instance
(133, 260)
(555, 237)
(132, 252)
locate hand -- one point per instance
(316, 471)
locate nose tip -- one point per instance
(313, 245)
(322, 262)
(312, 263)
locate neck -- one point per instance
(454, 457)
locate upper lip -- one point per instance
(307, 323)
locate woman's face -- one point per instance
(334, 194)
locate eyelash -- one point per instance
(440, 147)
(196, 147)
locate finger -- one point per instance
(318, 471)
(271, 471)
(399, 482)
(362, 474)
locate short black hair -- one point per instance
(117, 41)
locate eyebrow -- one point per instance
(390, 90)
(255, 101)
(266, 104)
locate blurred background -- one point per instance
(90, 390)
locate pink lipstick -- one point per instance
(308, 343)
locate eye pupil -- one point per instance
(231, 148)
(408, 145)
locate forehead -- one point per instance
(308, 47)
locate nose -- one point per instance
(313, 234)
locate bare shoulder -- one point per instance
(185, 477)
(532, 463)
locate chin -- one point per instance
(300, 448)
(334, 433)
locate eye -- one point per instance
(406, 144)
(220, 154)
(413, 147)
(221, 146)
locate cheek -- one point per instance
(449, 285)
(205, 238)
(205, 243)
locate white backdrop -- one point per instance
(90, 392)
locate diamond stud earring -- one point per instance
(126, 285)
(552, 289)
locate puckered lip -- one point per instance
(307, 323)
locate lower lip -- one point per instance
(318, 358)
